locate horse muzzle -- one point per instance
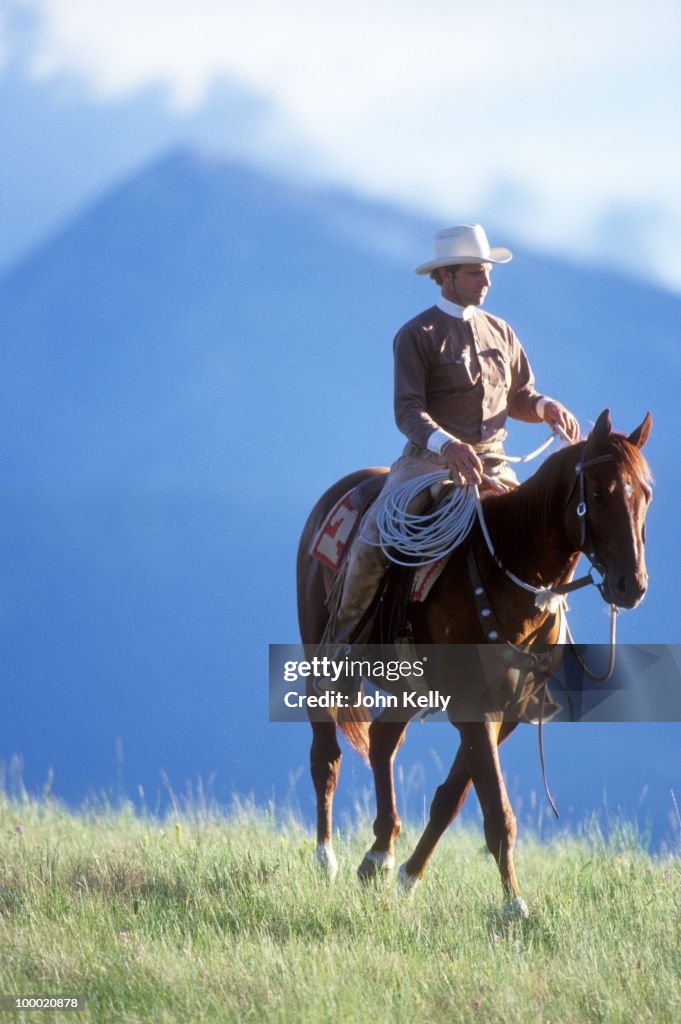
(624, 590)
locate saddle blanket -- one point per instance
(330, 543)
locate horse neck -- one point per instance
(527, 525)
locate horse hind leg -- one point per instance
(385, 738)
(325, 761)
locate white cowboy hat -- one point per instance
(466, 243)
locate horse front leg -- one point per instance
(385, 738)
(448, 800)
(325, 761)
(479, 742)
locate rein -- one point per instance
(552, 598)
(543, 595)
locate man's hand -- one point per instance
(557, 416)
(462, 462)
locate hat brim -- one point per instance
(496, 255)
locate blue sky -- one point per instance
(556, 123)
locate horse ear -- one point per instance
(602, 428)
(639, 436)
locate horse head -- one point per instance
(607, 508)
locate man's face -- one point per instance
(467, 285)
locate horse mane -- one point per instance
(632, 458)
(626, 454)
(533, 501)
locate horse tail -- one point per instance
(354, 724)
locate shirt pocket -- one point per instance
(452, 374)
(452, 371)
(496, 369)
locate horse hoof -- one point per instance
(375, 865)
(514, 910)
(326, 860)
(406, 883)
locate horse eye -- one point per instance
(597, 495)
(643, 533)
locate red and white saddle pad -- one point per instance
(330, 542)
(425, 577)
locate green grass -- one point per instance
(209, 918)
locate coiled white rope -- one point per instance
(424, 538)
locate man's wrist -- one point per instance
(541, 404)
(438, 441)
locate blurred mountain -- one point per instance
(187, 365)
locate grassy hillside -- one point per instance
(206, 918)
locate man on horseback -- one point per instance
(459, 373)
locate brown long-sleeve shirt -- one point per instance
(462, 376)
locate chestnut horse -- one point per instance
(591, 498)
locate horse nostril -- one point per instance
(621, 585)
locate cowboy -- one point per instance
(459, 373)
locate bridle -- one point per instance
(586, 544)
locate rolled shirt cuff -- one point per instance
(438, 439)
(541, 405)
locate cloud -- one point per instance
(322, 58)
(358, 69)
(433, 104)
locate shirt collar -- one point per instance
(453, 309)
